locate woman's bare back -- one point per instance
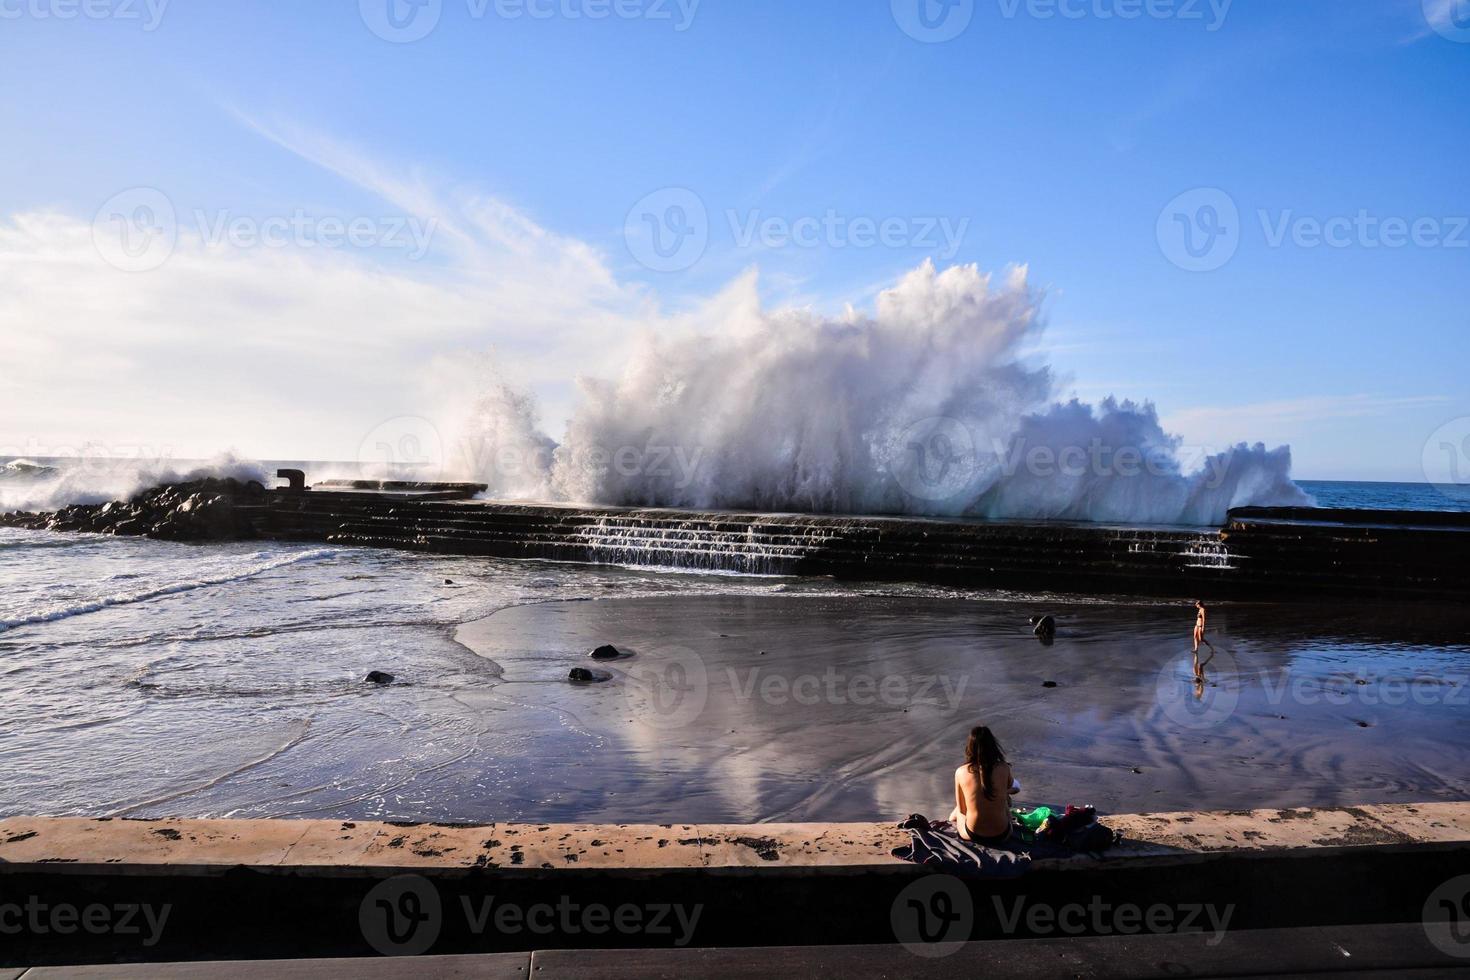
(983, 817)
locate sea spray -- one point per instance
(926, 407)
(99, 478)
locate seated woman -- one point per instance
(982, 791)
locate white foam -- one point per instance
(234, 574)
(97, 480)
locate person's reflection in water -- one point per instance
(1199, 673)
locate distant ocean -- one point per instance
(1387, 496)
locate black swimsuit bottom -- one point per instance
(995, 841)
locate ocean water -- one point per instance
(1387, 496)
(145, 678)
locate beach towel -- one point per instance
(938, 846)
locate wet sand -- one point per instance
(846, 708)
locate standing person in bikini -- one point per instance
(982, 791)
(1199, 637)
(1199, 628)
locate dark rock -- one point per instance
(378, 677)
(581, 675)
(606, 652)
(1048, 683)
(1044, 625)
(449, 581)
(197, 510)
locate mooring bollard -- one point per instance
(296, 477)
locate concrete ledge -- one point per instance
(237, 889)
(60, 845)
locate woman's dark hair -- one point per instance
(982, 753)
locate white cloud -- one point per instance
(291, 351)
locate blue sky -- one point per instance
(519, 144)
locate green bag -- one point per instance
(1032, 819)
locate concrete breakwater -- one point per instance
(1261, 552)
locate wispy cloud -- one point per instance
(226, 345)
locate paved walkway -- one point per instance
(1360, 951)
